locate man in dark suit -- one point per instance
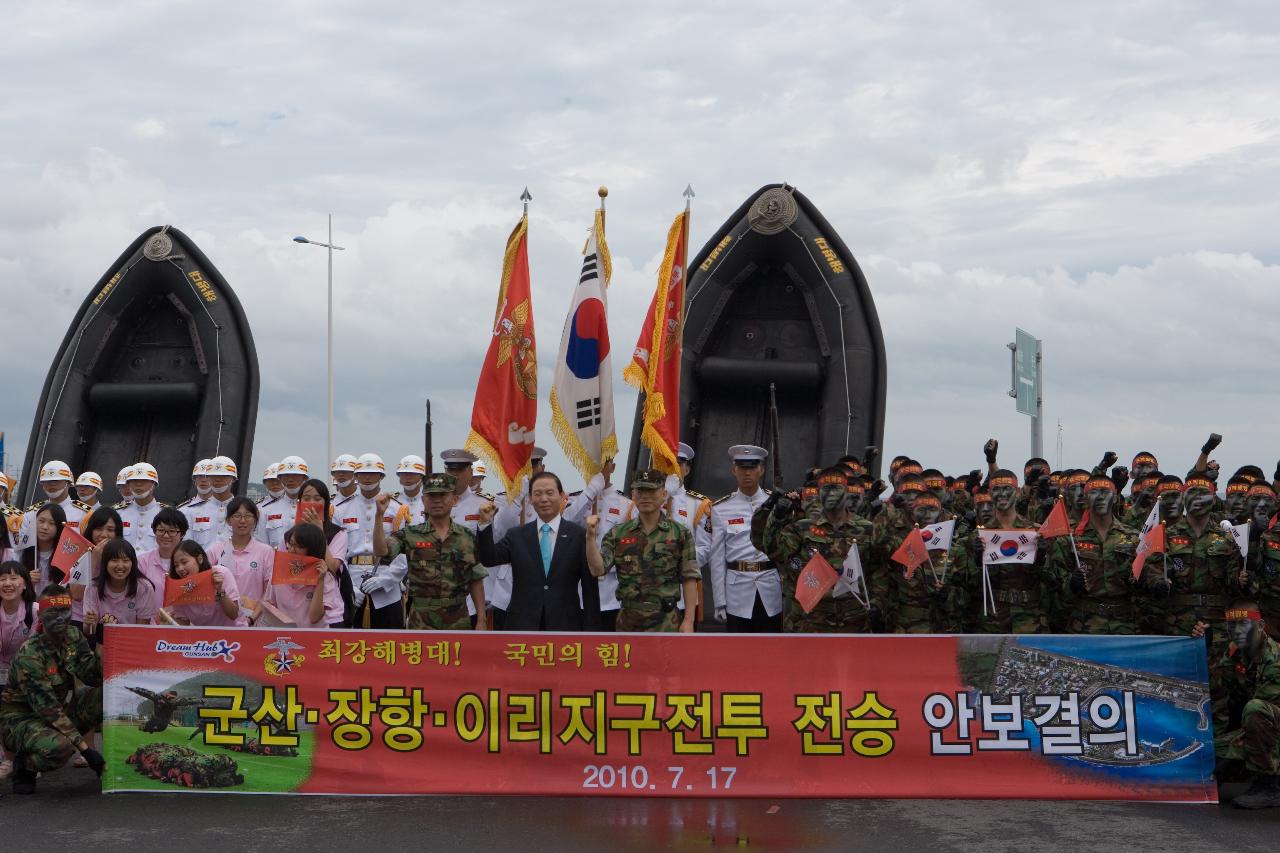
(548, 558)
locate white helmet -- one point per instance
(412, 465)
(370, 463)
(222, 466)
(90, 478)
(344, 462)
(123, 476)
(292, 465)
(271, 472)
(479, 470)
(144, 471)
(202, 468)
(54, 470)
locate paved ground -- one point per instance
(71, 815)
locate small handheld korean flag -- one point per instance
(852, 582)
(937, 537)
(1239, 533)
(1004, 546)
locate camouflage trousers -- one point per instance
(1257, 741)
(433, 615)
(650, 617)
(43, 747)
(842, 615)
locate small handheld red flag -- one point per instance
(1057, 523)
(912, 552)
(816, 580)
(70, 548)
(193, 589)
(294, 569)
(299, 517)
(1152, 540)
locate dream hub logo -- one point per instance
(201, 650)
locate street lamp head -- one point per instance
(301, 240)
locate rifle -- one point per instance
(773, 437)
(430, 465)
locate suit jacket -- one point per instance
(545, 601)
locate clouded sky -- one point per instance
(1104, 176)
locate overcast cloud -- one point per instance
(1106, 177)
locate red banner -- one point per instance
(395, 712)
(655, 363)
(505, 411)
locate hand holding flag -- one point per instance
(193, 589)
(1151, 540)
(70, 548)
(295, 569)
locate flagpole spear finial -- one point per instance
(526, 198)
(688, 195)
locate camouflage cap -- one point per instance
(439, 484)
(650, 478)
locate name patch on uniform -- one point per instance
(1180, 541)
(737, 521)
(628, 540)
(275, 517)
(1273, 546)
(683, 512)
(472, 518)
(613, 510)
(350, 521)
(1087, 546)
(200, 519)
(422, 544)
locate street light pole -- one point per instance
(329, 336)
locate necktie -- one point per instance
(544, 545)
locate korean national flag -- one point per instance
(1008, 546)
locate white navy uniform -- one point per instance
(738, 571)
(466, 513)
(275, 517)
(613, 507)
(207, 521)
(357, 515)
(137, 519)
(417, 510)
(694, 512)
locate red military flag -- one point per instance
(655, 364)
(70, 548)
(816, 580)
(300, 514)
(193, 589)
(295, 569)
(912, 552)
(506, 405)
(1057, 524)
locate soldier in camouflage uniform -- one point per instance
(1235, 506)
(833, 534)
(180, 765)
(655, 559)
(1073, 483)
(443, 567)
(1035, 500)
(1264, 556)
(1023, 593)
(1251, 676)
(163, 706)
(1203, 574)
(1141, 499)
(1100, 596)
(933, 600)
(37, 723)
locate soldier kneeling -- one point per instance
(1251, 672)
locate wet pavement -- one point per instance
(69, 814)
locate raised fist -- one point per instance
(1108, 459)
(382, 501)
(1212, 443)
(869, 454)
(593, 524)
(989, 450)
(487, 511)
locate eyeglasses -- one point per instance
(168, 531)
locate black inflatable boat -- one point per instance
(776, 297)
(158, 366)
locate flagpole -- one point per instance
(603, 192)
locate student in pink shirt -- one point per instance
(120, 595)
(17, 623)
(102, 525)
(188, 559)
(38, 557)
(169, 526)
(249, 559)
(334, 552)
(305, 605)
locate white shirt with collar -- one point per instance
(613, 507)
(207, 521)
(731, 543)
(275, 517)
(137, 519)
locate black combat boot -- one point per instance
(24, 779)
(1264, 793)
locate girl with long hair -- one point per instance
(224, 611)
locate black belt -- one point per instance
(1188, 599)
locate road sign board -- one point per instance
(1025, 376)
